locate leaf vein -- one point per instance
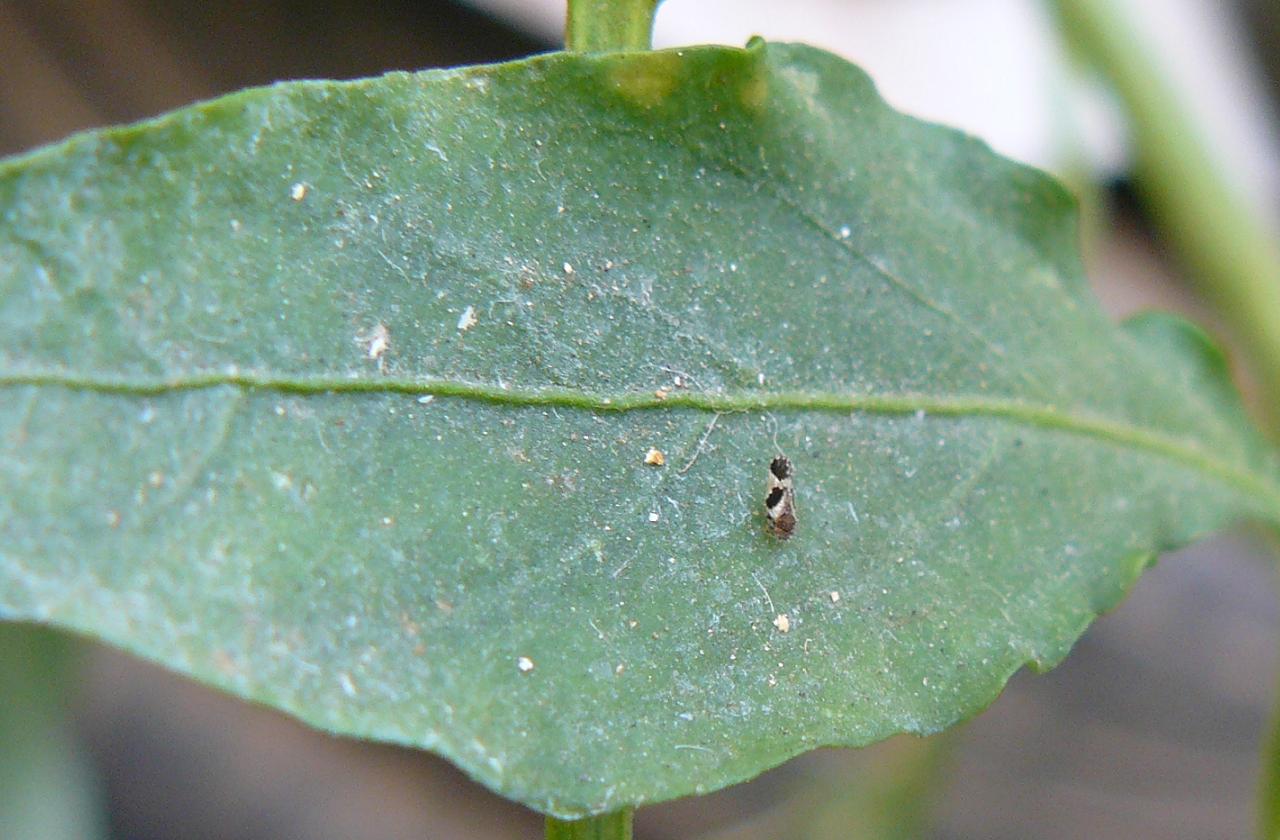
(1047, 416)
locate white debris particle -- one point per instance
(835, 597)
(568, 269)
(467, 319)
(760, 378)
(845, 233)
(348, 687)
(782, 622)
(146, 415)
(298, 191)
(426, 398)
(376, 342)
(279, 409)
(156, 478)
(525, 664)
(282, 481)
(387, 520)
(655, 457)
(653, 516)
(620, 669)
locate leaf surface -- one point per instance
(339, 396)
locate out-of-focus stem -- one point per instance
(615, 826)
(609, 25)
(1230, 252)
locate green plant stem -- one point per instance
(603, 26)
(1269, 784)
(887, 793)
(1227, 247)
(47, 787)
(615, 826)
(609, 25)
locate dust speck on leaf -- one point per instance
(467, 319)
(655, 457)
(376, 342)
(298, 191)
(782, 622)
(835, 597)
(525, 664)
(348, 687)
(408, 625)
(653, 516)
(224, 662)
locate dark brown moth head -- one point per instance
(780, 467)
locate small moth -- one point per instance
(780, 501)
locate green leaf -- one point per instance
(338, 396)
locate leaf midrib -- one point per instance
(1125, 435)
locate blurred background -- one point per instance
(1152, 727)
